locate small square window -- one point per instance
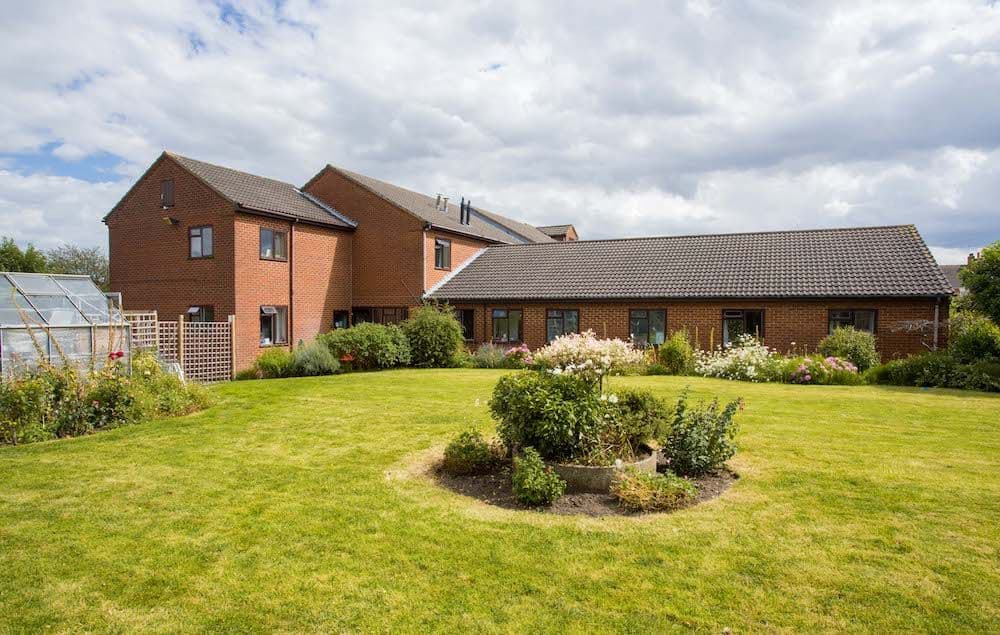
(200, 241)
(273, 244)
(647, 326)
(561, 322)
(201, 314)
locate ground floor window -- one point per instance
(560, 322)
(380, 315)
(467, 318)
(861, 319)
(273, 325)
(647, 326)
(736, 322)
(341, 319)
(507, 325)
(201, 314)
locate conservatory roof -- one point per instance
(41, 299)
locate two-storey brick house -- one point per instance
(204, 241)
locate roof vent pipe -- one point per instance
(437, 203)
(444, 203)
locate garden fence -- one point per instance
(204, 350)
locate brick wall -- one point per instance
(388, 244)
(804, 322)
(149, 261)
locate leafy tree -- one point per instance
(12, 258)
(982, 278)
(88, 261)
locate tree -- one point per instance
(982, 279)
(12, 258)
(88, 261)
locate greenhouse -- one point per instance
(61, 319)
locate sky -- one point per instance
(623, 119)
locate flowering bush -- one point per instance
(585, 356)
(824, 370)
(518, 357)
(747, 360)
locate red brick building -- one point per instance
(204, 241)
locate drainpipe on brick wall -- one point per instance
(937, 322)
(291, 283)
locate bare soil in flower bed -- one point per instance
(495, 488)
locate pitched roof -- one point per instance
(856, 262)
(483, 224)
(951, 274)
(260, 194)
(554, 230)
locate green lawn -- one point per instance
(291, 505)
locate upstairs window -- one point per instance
(467, 318)
(200, 240)
(863, 319)
(273, 245)
(647, 327)
(736, 322)
(507, 325)
(201, 314)
(442, 253)
(273, 325)
(561, 322)
(167, 193)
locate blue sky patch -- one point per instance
(95, 168)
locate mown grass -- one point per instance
(860, 509)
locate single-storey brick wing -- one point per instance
(790, 287)
(204, 241)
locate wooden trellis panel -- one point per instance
(167, 343)
(207, 351)
(203, 349)
(145, 329)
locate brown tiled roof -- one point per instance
(951, 274)
(483, 224)
(857, 262)
(261, 194)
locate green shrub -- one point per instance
(939, 370)
(857, 347)
(369, 346)
(638, 491)
(463, 359)
(25, 410)
(657, 369)
(982, 279)
(274, 363)
(115, 400)
(677, 355)
(247, 373)
(632, 418)
(974, 338)
(469, 453)
(434, 335)
(552, 413)
(490, 356)
(701, 439)
(313, 360)
(534, 482)
(172, 396)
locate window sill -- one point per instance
(201, 257)
(442, 268)
(274, 259)
(274, 345)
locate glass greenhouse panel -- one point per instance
(36, 283)
(73, 343)
(17, 348)
(10, 301)
(57, 310)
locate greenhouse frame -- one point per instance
(62, 319)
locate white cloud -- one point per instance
(625, 119)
